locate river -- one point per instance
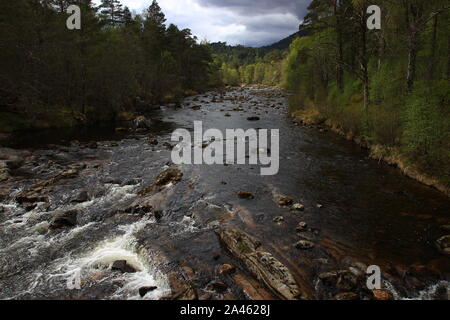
(358, 212)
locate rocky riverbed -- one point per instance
(105, 214)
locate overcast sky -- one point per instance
(246, 22)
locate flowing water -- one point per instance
(360, 211)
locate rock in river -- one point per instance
(304, 245)
(285, 201)
(122, 266)
(262, 264)
(144, 290)
(82, 196)
(64, 219)
(443, 245)
(226, 269)
(169, 176)
(298, 207)
(246, 195)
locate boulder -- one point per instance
(122, 266)
(4, 171)
(301, 226)
(284, 201)
(304, 245)
(142, 122)
(217, 286)
(329, 278)
(246, 195)
(169, 176)
(82, 196)
(226, 269)
(64, 219)
(443, 244)
(298, 207)
(144, 290)
(262, 264)
(382, 295)
(278, 219)
(346, 281)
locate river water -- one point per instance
(359, 211)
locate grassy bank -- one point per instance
(392, 155)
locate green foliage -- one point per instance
(426, 134)
(389, 87)
(115, 63)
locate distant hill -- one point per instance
(285, 43)
(242, 55)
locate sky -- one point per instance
(246, 22)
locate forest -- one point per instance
(386, 89)
(118, 62)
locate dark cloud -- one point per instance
(258, 7)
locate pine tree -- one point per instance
(112, 13)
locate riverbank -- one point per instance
(390, 155)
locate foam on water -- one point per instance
(106, 253)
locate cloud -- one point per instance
(246, 22)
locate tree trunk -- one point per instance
(339, 70)
(433, 49)
(412, 58)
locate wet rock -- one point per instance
(121, 129)
(132, 182)
(216, 256)
(144, 290)
(196, 108)
(253, 118)
(262, 264)
(284, 201)
(122, 266)
(217, 286)
(4, 171)
(29, 198)
(246, 195)
(227, 115)
(446, 227)
(82, 196)
(346, 296)
(169, 176)
(251, 288)
(301, 226)
(64, 219)
(278, 219)
(304, 245)
(188, 273)
(346, 281)
(443, 244)
(153, 142)
(181, 290)
(329, 278)
(226, 269)
(205, 296)
(298, 207)
(382, 295)
(92, 145)
(142, 122)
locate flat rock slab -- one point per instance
(262, 264)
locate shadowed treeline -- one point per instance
(52, 77)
